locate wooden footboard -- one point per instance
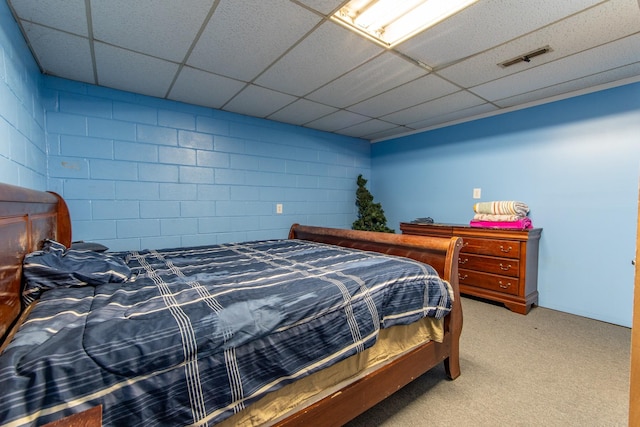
(357, 397)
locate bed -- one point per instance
(322, 390)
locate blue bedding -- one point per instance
(197, 334)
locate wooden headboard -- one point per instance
(27, 218)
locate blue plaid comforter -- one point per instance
(198, 334)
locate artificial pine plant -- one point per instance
(370, 215)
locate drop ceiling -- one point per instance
(287, 61)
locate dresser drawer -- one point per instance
(499, 248)
(503, 266)
(504, 284)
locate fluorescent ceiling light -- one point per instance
(390, 22)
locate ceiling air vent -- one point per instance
(525, 57)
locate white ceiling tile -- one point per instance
(327, 53)
(323, 6)
(133, 72)
(572, 35)
(161, 28)
(437, 107)
(407, 95)
(454, 116)
(242, 42)
(594, 80)
(68, 15)
(369, 127)
(485, 25)
(202, 88)
(302, 111)
(338, 120)
(597, 60)
(50, 45)
(378, 75)
(258, 102)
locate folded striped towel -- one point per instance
(506, 207)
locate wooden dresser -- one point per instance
(497, 264)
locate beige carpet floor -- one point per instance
(547, 368)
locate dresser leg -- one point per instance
(518, 308)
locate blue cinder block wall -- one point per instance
(140, 172)
(23, 155)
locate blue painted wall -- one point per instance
(140, 172)
(22, 137)
(575, 162)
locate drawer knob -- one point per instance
(507, 250)
(503, 268)
(503, 286)
(463, 261)
(461, 277)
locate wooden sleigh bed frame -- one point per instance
(28, 217)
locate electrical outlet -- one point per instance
(477, 193)
(279, 208)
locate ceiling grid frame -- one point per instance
(297, 74)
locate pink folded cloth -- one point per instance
(520, 224)
(495, 217)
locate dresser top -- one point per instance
(467, 230)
